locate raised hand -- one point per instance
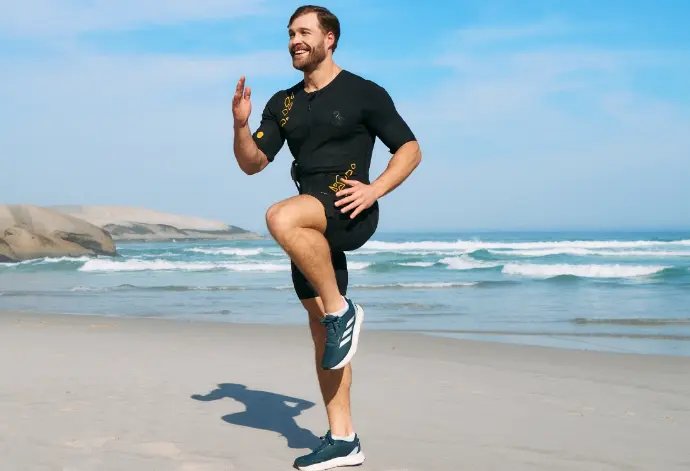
(241, 104)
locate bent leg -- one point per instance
(305, 290)
(334, 384)
(298, 225)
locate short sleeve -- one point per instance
(269, 135)
(382, 117)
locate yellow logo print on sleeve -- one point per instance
(289, 100)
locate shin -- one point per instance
(334, 384)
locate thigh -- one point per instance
(298, 211)
(345, 234)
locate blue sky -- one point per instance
(531, 114)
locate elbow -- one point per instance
(416, 155)
(253, 169)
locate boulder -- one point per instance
(30, 232)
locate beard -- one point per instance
(310, 61)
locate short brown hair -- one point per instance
(328, 21)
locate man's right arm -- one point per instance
(255, 151)
(249, 157)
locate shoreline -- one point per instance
(666, 345)
(88, 391)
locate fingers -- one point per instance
(359, 209)
(239, 90)
(350, 182)
(351, 206)
(240, 86)
(346, 191)
(356, 197)
(347, 200)
(248, 93)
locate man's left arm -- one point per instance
(383, 118)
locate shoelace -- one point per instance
(332, 324)
(326, 440)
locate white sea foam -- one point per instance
(466, 263)
(585, 271)
(421, 285)
(166, 265)
(226, 251)
(417, 264)
(64, 259)
(471, 245)
(45, 260)
(590, 252)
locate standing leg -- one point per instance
(340, 446)
(334, 384)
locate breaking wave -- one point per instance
(469, 245)
(167, 265)
(582, 271)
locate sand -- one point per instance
(96, 393)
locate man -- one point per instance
(330, 121)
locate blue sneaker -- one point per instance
(332, 454)
(342, 336)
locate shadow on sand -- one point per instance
(266, 411)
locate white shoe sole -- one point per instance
(359, 318)
(350, 460)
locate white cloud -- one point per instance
(539, 135)
(67, 17)
(547, 101)
(481, 35)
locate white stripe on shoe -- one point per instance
(345, 340)
(358, 319)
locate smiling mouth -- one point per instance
(300, 52)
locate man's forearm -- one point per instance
(249, 157)
(401, 165)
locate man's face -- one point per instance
(308, 44)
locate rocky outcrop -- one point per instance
(138, 224)
(29, 232)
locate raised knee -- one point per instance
(277, 219)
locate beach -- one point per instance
(83, 392)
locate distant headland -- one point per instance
(131, 223)
(29, 231)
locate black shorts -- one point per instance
(342, 233)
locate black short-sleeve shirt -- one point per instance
(334, 129)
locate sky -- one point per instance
(531, 115)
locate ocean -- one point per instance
(617, 292)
